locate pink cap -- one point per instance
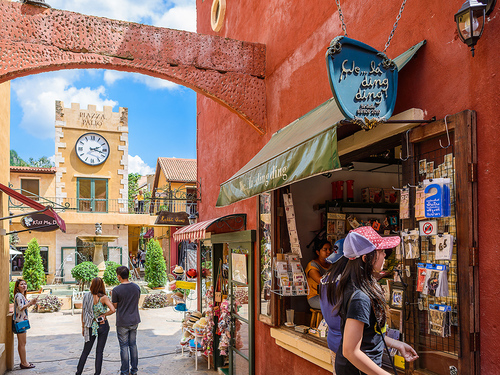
(381, 243)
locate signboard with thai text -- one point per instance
(363, 80)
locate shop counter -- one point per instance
(304, 345)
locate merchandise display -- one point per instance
(291, 279)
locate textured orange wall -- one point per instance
(443, 79)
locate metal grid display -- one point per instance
(416, 318)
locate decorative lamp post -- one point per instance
(470, 20)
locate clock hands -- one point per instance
(96, 149)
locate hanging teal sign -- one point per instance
(363, 80)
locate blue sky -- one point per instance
(162, 115)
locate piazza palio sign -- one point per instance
(363, 81)
(92, 120)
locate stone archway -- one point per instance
(231, 72)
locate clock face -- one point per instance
(92, 148)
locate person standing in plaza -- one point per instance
(96, 306)
(125, 298)
(21, 305)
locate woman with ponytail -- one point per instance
(361, 304)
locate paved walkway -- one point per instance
(55, 342)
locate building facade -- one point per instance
(88, 185)
(443, 81)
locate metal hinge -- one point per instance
(474, 341)
(472, 172)
(473, 257)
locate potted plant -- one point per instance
(155, 301)
(110, 273)
(156, 268)
(33, 272)
(84, 273)
(48, 303)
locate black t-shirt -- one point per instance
(360, 308)
(127, 297)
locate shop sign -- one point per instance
(363, 80)
(39, 222)
(172, 218)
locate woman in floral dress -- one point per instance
(95, 307)
(21, 305)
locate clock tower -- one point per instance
(91, 157)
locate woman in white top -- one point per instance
(21, 305)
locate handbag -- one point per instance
(22, 326)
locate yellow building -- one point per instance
(88, 185)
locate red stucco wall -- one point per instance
(443, 79)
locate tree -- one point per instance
(84, 273)
(16, 161)
(156, 268)
(43, 162)
(33, 272)
(133, 188)
(110, 273)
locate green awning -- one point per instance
(305, 148)
(302, 149)
(403, 59)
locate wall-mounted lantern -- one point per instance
(470, 20)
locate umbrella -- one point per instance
(13, 251)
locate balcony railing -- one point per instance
(124, 206)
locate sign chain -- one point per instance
(395, 25)
(341, 16)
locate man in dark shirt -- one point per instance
(125, 298)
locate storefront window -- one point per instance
(17, 260)
(266, 275)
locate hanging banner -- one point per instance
(363, 80)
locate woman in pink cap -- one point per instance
(362, 306)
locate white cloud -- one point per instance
(137, 165)
(174, 14)
(37, 95)
(111, 76)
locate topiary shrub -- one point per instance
(156, 268)
(33, 271)
(12, 284)
(84, 273)
(48, 303)
(155, 301)
(110, 273)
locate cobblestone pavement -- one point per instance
(55, 342)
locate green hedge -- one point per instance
(156, 268)
(33, 271)
(110, 273)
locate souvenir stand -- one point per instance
(223, 297)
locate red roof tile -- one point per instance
(32, 169)
(182, 170)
